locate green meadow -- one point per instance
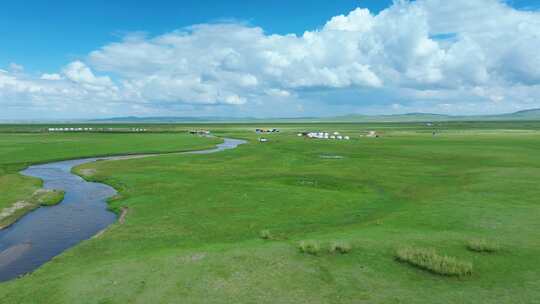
(409, 217)
(21, 146)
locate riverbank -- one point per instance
(85, 211)
(40, 198)
(18, 151)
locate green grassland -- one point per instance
(192, 233)
(19, 150)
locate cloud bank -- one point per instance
(429, 55)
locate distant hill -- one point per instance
(532, 114)
(408, 117)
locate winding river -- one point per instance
(47, 231)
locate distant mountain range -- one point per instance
(532, 114)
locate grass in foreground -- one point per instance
(191, 235)
(429, 259)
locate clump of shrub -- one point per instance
(429, 259)
(482, 245)
(47, 197)
(310, 247)
(340, 247)
(265, 234)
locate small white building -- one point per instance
(323, 135)
(372, 134)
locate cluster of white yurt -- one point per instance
(69, 129)
(325, 135)
(320, 135)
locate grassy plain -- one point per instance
(193, 230)
(21, 146)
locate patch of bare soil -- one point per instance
(192, 258)
(123, 214)
(121, 220)
(9, 211)
(88, 172)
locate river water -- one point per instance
(47, 231)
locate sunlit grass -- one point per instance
(429, 259)
(483, 245)
(310, 247)
(340, 247)
(265, 234)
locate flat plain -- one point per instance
(226, 227)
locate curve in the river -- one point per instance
(46, 232)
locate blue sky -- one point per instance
(44, 35)
(78, 59)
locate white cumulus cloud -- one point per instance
(53, 76)
(476, 56)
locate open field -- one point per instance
(18, 150)
(192, 233)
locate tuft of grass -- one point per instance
(429, 259)
(483, 245)
(310, 247)
(265, 234)
(340, 247)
